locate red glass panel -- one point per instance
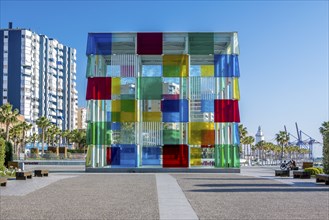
(99, 88)
(227, 111)
(175, 155)
(108, 156)
(149, 43)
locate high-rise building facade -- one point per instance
(82, 118)
(38, 77)
(163, 99)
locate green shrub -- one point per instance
(2, 154)
(312, 170)
(9, 153)
(51, 156)
(319, 169)
(75, 151)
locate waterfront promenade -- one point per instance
(253, 194)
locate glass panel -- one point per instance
(99, 43)
(227, 111)
(201, 133)
(201, 43)
(99, 88)
(195, 156)
(175, 65)
(151, 88)
(226, 65)
(207, 70)
(151, 155)
(149, 43)
(175, 156)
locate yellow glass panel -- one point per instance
(195, 131)
(152, 116)
(195, 157)
(116, 105)
(175, 65)
(128, 117)
(207, 70)
(236, 90)
(116, 86)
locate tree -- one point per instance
(260, 147)
(324, 130)
(282, 138)
(33, 139)
(43, 123)
(249, 141)
(8, 116)
(15, 136)
(9, 153)
(25, 127)
(2, 154)
(243, 134)
(79, 137)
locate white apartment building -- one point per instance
(38, 77)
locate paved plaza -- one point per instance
(253, 194)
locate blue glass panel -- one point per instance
(236, 135)
(115, 155)
(151, 155)
(170, 117)
(170, 106)
(99, 44)
(127, 155)
(174, 110)
(175, 116)
(116, 126)
(226, 65)
(207, 105)
(108, 116)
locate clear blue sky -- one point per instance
(283, 45)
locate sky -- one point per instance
(283, 47)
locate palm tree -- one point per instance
(243, 134)
(259, 146)
(79, 137)
(14, 135)
(33, 138)
(324, 130)
(249, 141)
(282, 138)
(66, 135)
(8, 116)
(24, 128)
(43, 123)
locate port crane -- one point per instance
(306, 143)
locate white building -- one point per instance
(259, 135)
(82, 118)
(38, 77)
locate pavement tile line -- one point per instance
(171, 199)
(24, 187)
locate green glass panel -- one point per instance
(128, 105)
(227, 155)
(115, 116)
(99, 133)
(171, 136)
(151, 88)
(171, 71)
(96, 66)
(201, 43)
(89, 156)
